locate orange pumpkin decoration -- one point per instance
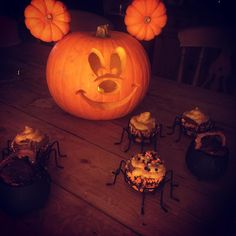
(98, 77)
(145, 18)
(47, 20)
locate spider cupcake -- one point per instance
(192, 122)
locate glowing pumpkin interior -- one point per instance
(98, 78)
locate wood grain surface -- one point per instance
(80, 202)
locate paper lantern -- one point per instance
(47, 20)
(145, 19)
(98, 76)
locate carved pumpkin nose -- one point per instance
(107, 86)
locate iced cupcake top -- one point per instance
(143, 121)
(29, 134)
(196, 115)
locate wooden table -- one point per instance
(80, 202)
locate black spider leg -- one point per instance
(195, 132)
(131, 138)
(162, 199)
(168, 178)
(177, 122)
(213, 125)
(181, 128)
(9, 144)
(122, 138)
(172, 184)
(143, 201)
(7, 151)
(173, 126)
(57, 148)
(181, 131)
(142, 142)
(158, 130)
(154, 140)
(56, 152)
(117, 172)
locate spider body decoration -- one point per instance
(38, 157)
(168, 178)
(189, 127)
(23, 172)
(141, 138)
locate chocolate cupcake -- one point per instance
(142, 126)
(29, 142)
(195, 121)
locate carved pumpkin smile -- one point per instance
(106, 105)
(98, 78)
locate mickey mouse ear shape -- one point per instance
(145, 19)
(47, 20)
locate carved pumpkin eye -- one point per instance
(107, 86)
(98, 78)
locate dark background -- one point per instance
(15, 8)
(211, 11)
(164, 51)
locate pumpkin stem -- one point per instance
(102, 31)
(147, 19)
(49, 16)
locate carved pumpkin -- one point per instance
(47, 20)
(100, 76)
(145, 18)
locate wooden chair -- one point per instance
(204, 38)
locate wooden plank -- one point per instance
(83, 139)
(178, 98)
(37, 103)
(64, 214)
(87, 162)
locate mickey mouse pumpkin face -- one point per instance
(98, 78)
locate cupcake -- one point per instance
(145, 171)
(29, 142)
(142, 126)
(195, 121)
